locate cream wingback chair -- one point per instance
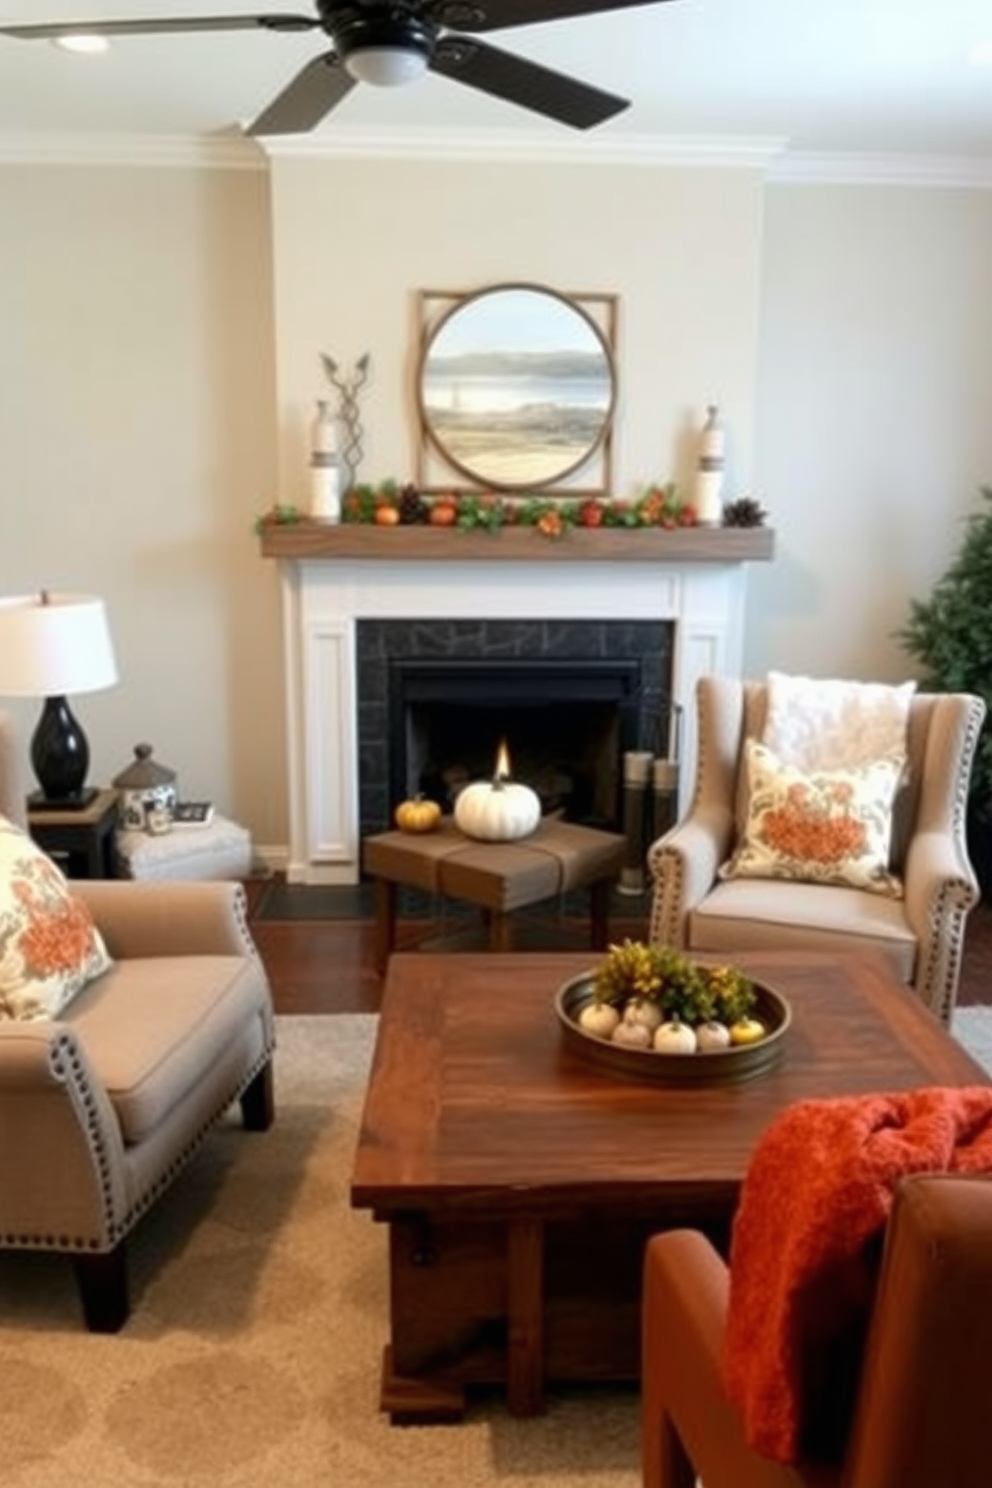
(921, 932)
(102, 1105)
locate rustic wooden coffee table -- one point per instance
(520, 1181)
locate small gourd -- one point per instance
(418, 815)
(675, 1037)
(631, 1035)
(497, 810)
(643, 1010)
(712, 1036)
(599, 1019)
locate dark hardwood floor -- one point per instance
(325, 965)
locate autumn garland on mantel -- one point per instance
(391, 505)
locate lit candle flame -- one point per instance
(502, 762)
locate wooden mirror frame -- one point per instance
(587, 325)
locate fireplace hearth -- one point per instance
(436, 699)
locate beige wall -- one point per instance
(355, 241)
(137, 444)
(159, 362)
(874, 430)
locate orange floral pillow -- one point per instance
(49, 946)
(828, 826)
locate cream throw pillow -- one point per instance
(827, 724)
(49, 946)
(826, 827)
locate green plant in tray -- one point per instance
(695, 993)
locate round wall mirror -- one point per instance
(516, 386)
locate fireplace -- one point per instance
(569, 697)
(336, 580)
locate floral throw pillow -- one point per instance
(49, 945)
(826, 827)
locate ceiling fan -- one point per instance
(388, 42)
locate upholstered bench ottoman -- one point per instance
(500, 877)
(222, 850)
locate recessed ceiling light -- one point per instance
(981, 53)
(82, 41)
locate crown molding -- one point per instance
(798, 168)
(769, 155)
(233, 151)
(729, 152)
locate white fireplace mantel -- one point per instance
(332, 579)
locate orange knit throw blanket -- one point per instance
(805, 1246)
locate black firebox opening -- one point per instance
(565, 725)
(436, 697)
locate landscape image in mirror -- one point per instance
(517, 388)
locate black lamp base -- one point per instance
(60, 756)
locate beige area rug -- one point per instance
(252, 1356)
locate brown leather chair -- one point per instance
(919, 1418)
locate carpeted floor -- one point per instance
(252, 1355)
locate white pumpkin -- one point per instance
(599, 1018)
(643, 1010)
(497, 810)
(711, 1036)
(675, 1037)
(631, 1035)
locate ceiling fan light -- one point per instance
(386, 66)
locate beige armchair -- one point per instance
(921, 934)
(103, 1106)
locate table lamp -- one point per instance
(51, 645)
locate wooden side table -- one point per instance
(498, 876)
(82, 841)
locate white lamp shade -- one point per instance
(54, 644)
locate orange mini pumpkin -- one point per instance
(418, 815)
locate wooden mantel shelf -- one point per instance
(405, 544)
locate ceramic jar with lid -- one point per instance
(147, 792)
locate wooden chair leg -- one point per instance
(599, 914)
(102, 1283)
(258, 1106)
(500, 930)
(385, 922)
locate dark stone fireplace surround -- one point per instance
(556, 680)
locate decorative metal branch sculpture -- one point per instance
(348, 387)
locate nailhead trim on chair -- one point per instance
(667, 872)
(665, 926)
(939, 971)
(241, 915)
(67, 1069)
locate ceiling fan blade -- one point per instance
(314, 91)
(51, 29)
(513, 78)
(494, 15)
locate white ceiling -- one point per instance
(889, 77)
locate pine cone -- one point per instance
(412, 506)
(746, 512)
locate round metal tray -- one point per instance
(715, 1067)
